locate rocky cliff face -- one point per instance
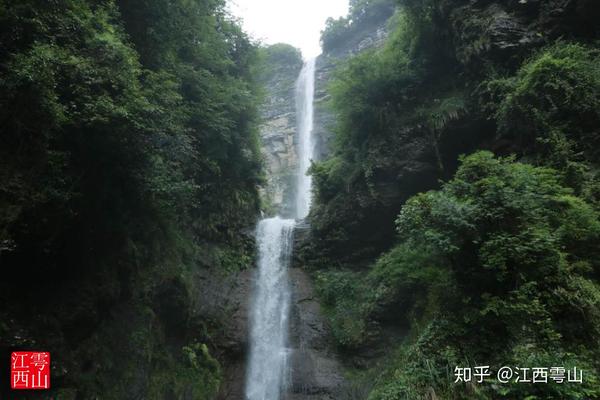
(315, 372)
(282, 66)
(371, 35)
(460, 44)
(498, 33)
(224, 299)
(504, 32)
(477, 33)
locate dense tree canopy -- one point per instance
(128, 154)
(499, 264)
(362, 12)
(502, 259)
(456, 222)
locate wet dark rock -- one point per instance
(314, 374)
(301, 233)
(308, 329)
(503, 32)
(226, 298)
(171, 303)
(315, 371)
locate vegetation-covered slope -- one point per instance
(499, 265)
(128, 157)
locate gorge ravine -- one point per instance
(268, 368)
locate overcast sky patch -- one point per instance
(297, 22)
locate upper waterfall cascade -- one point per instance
(305, 91)
(268, 370)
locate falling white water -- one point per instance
(267, 368)
(305, 92)
(268, 335)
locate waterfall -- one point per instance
(268, 335)
(267, 371)
(305, 92)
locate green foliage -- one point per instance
(281, 53)
(361, 14)
(278, 66)
(383, 100)
(339, 292)
(438, 116)
(550, 108)
(500, 265)
(406, 112)
(334, 32)
(503, 257)
(128, 149)
(200, 363)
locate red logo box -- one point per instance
(30, 370)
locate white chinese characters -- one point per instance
(504, 375)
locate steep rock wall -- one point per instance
(224, 299)
(370, 35)
(505, 32)
(281, 66)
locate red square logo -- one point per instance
(30, 370)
